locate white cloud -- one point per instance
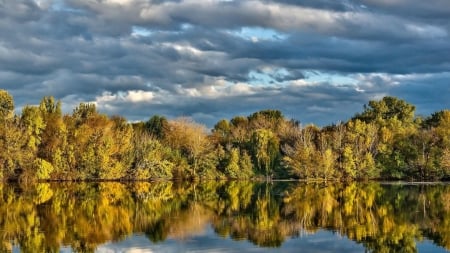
(139, 96)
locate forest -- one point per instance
(386, 141)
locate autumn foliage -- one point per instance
(385, 141)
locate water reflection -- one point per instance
(86, 217)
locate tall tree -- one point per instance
(265, 150)
(54, 136)
(190, 138)
(157, 126)
(11, 139)
(386, 109)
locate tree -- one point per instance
(348, 163)
(6, 105)
(157, 126)
(83, 111)
(239, 130)
(362, 139)
(33, 124)
(11, 142)
(11, 138)
(189, 138)
(152, 159)
(386, 109)
(265, 150)
(222, 132)
(53, 144)
(101, 145)
(266, 119)
(232, 168)
(394, 119)
(445, 163)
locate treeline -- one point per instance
(384, 141)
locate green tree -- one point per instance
(266, 119)
(232, 168)
(152, 159)
(265, 150)
(157, 126)
(222, 132)
(387, 108)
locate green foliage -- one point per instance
(385, 141)
(232, 168)
(265, 150)
(246, 165)
(386, 109)
(49, 106)
(153, 160)
(157, 126)
(266, 119)
(83, 112)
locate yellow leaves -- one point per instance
(86, 215)
(328, 202)
(445, 161)
(387, 224)
(348, 163)
(43, 193)
(443, 129)
(264, 221)
(6, 105)
(113, 192)
(386, 134)
(43, 168)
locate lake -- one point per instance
(231, 216)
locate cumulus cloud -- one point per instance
(215, 59)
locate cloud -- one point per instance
(215, 59)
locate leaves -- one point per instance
(384, 141)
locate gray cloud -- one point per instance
(215, 59)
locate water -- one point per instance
(225, 217)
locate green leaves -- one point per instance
(384, 141)
(265, 150)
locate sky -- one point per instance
(318, 61)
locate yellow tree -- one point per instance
(6, 105)
(190, 138)
(52, 147)
(100, 144)
(443, 131)
(362, 138)
(11, 138)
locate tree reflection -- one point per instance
(383, 218)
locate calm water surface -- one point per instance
(225, 217)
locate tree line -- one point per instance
(385, 141)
